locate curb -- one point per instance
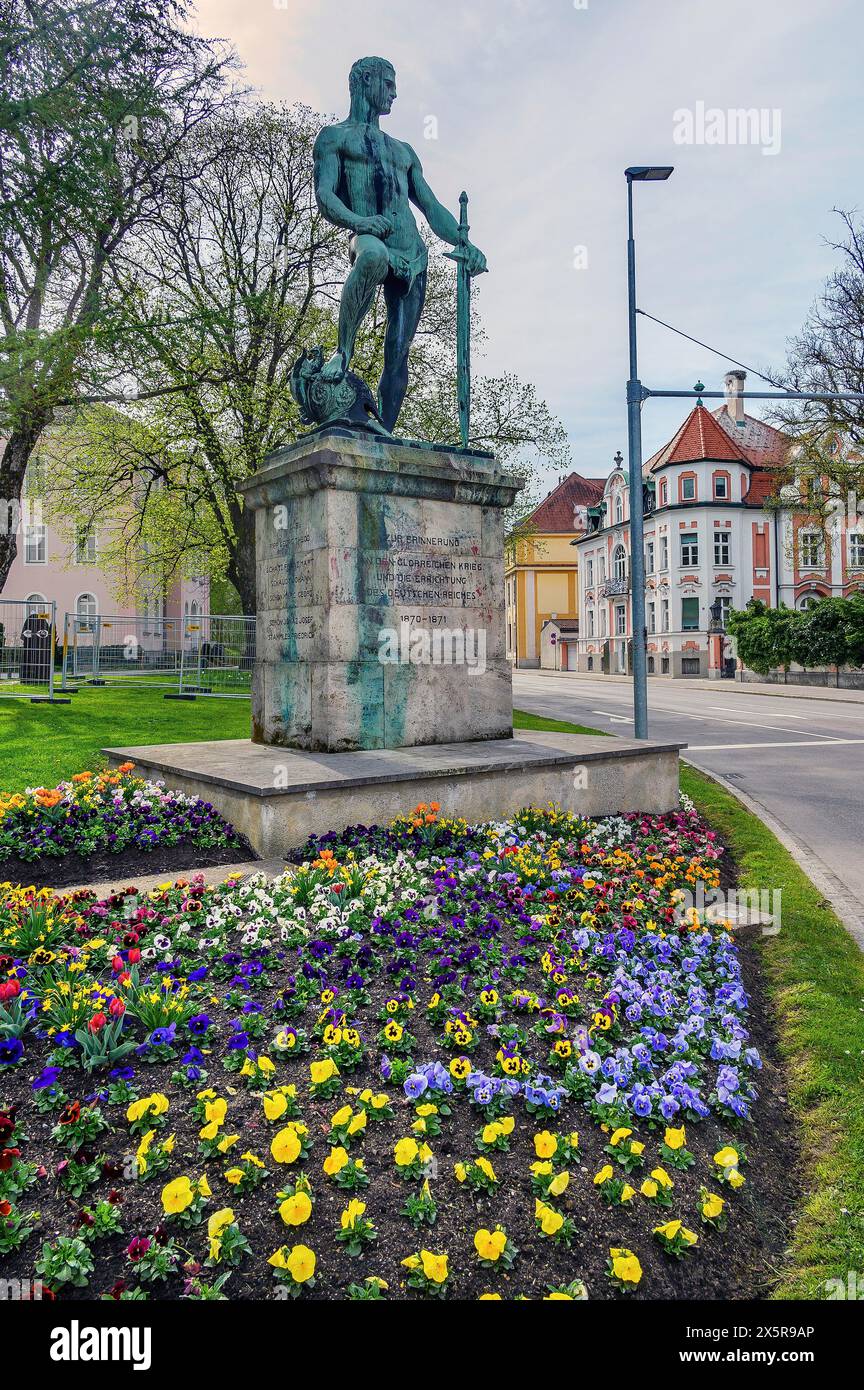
(789, 692)
(823, 879)
(216, 873)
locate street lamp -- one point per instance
(642, 173)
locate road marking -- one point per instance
(711, 747)
(616, 718)
(744, 723)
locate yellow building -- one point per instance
(540, 572)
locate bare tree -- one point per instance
(224, 287)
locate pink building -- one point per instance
(47, 567)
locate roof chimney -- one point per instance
(734, 384)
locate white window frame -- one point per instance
(722, 548)
(90, 617)
(35, 529)
(36, 603)
(689, 550)
(810, 546)
(85, 546)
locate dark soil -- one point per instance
(73, 869)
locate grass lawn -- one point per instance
(41, 745)
(815, 974)
(521, 720)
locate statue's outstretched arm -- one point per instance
(442, 222)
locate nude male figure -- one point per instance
(364, 180)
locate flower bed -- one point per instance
(493, 1061)
(109, 823)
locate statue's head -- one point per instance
(375, 80)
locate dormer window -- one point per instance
(619, 510)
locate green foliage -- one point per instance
(764, 635)
(95, 101)
(233, 277)
(815, 975)
(829, 633)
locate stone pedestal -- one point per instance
(380, 595)
(277, 800)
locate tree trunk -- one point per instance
(242, 569)
(13, 466)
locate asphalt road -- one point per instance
(802, 759)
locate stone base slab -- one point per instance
(278, 797)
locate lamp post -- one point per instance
(637, 174)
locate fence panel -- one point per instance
(125, 652)
(218, 657)
(27, 651)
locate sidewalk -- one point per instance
(144, 883)
(726, 687)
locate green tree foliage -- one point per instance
(97, 97)
(829, 633)
(235, 274)
(763, 635)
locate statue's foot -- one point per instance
(335, 369)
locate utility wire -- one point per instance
(707, 346)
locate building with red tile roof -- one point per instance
(716, 535)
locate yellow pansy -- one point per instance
(177, 1196)
(434, 1266)
(322, 1071)
(296, 1210)
(489, 1244)
(335, 1161)
(712, 1206)
(285, 1147)
(352, 1212)
(405, 1152)
(625, 1266)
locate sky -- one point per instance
(536, 107)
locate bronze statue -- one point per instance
(364, 181)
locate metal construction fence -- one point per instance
(28, 636)
(109, 650)
(218, 658)
(200, 655)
